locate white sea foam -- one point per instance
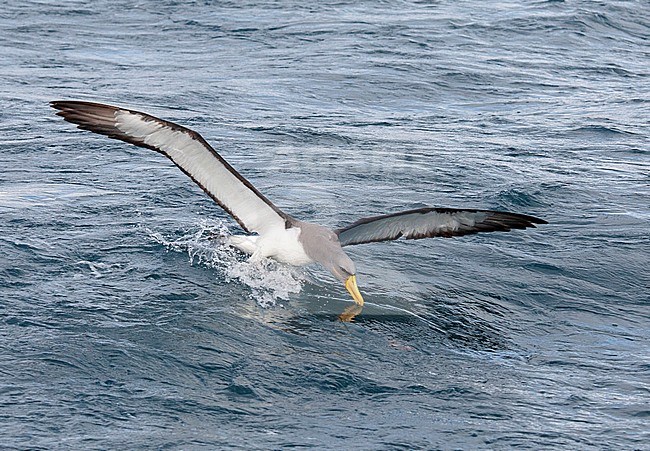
(98, 269)
(206, 244)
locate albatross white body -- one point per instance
(279, 235)
(280, 244)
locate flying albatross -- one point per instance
(279, 235)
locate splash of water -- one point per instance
(206, 243)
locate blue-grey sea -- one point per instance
(124, 323)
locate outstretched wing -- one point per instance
(189, 151)
(432, 222)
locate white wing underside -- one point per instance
(189, 151)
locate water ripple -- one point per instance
(123, 310)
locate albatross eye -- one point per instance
(341, 273)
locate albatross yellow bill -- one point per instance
(351, 286)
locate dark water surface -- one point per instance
(125, 326)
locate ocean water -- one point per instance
(125, 322)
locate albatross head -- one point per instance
(343, 269)
(322, 245)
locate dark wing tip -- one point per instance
(80, 105)
(74, 103)
(58, 104)
(504, 221)
(98, 118)
(527, 218)
(80, 109)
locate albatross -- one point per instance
(273, 233)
